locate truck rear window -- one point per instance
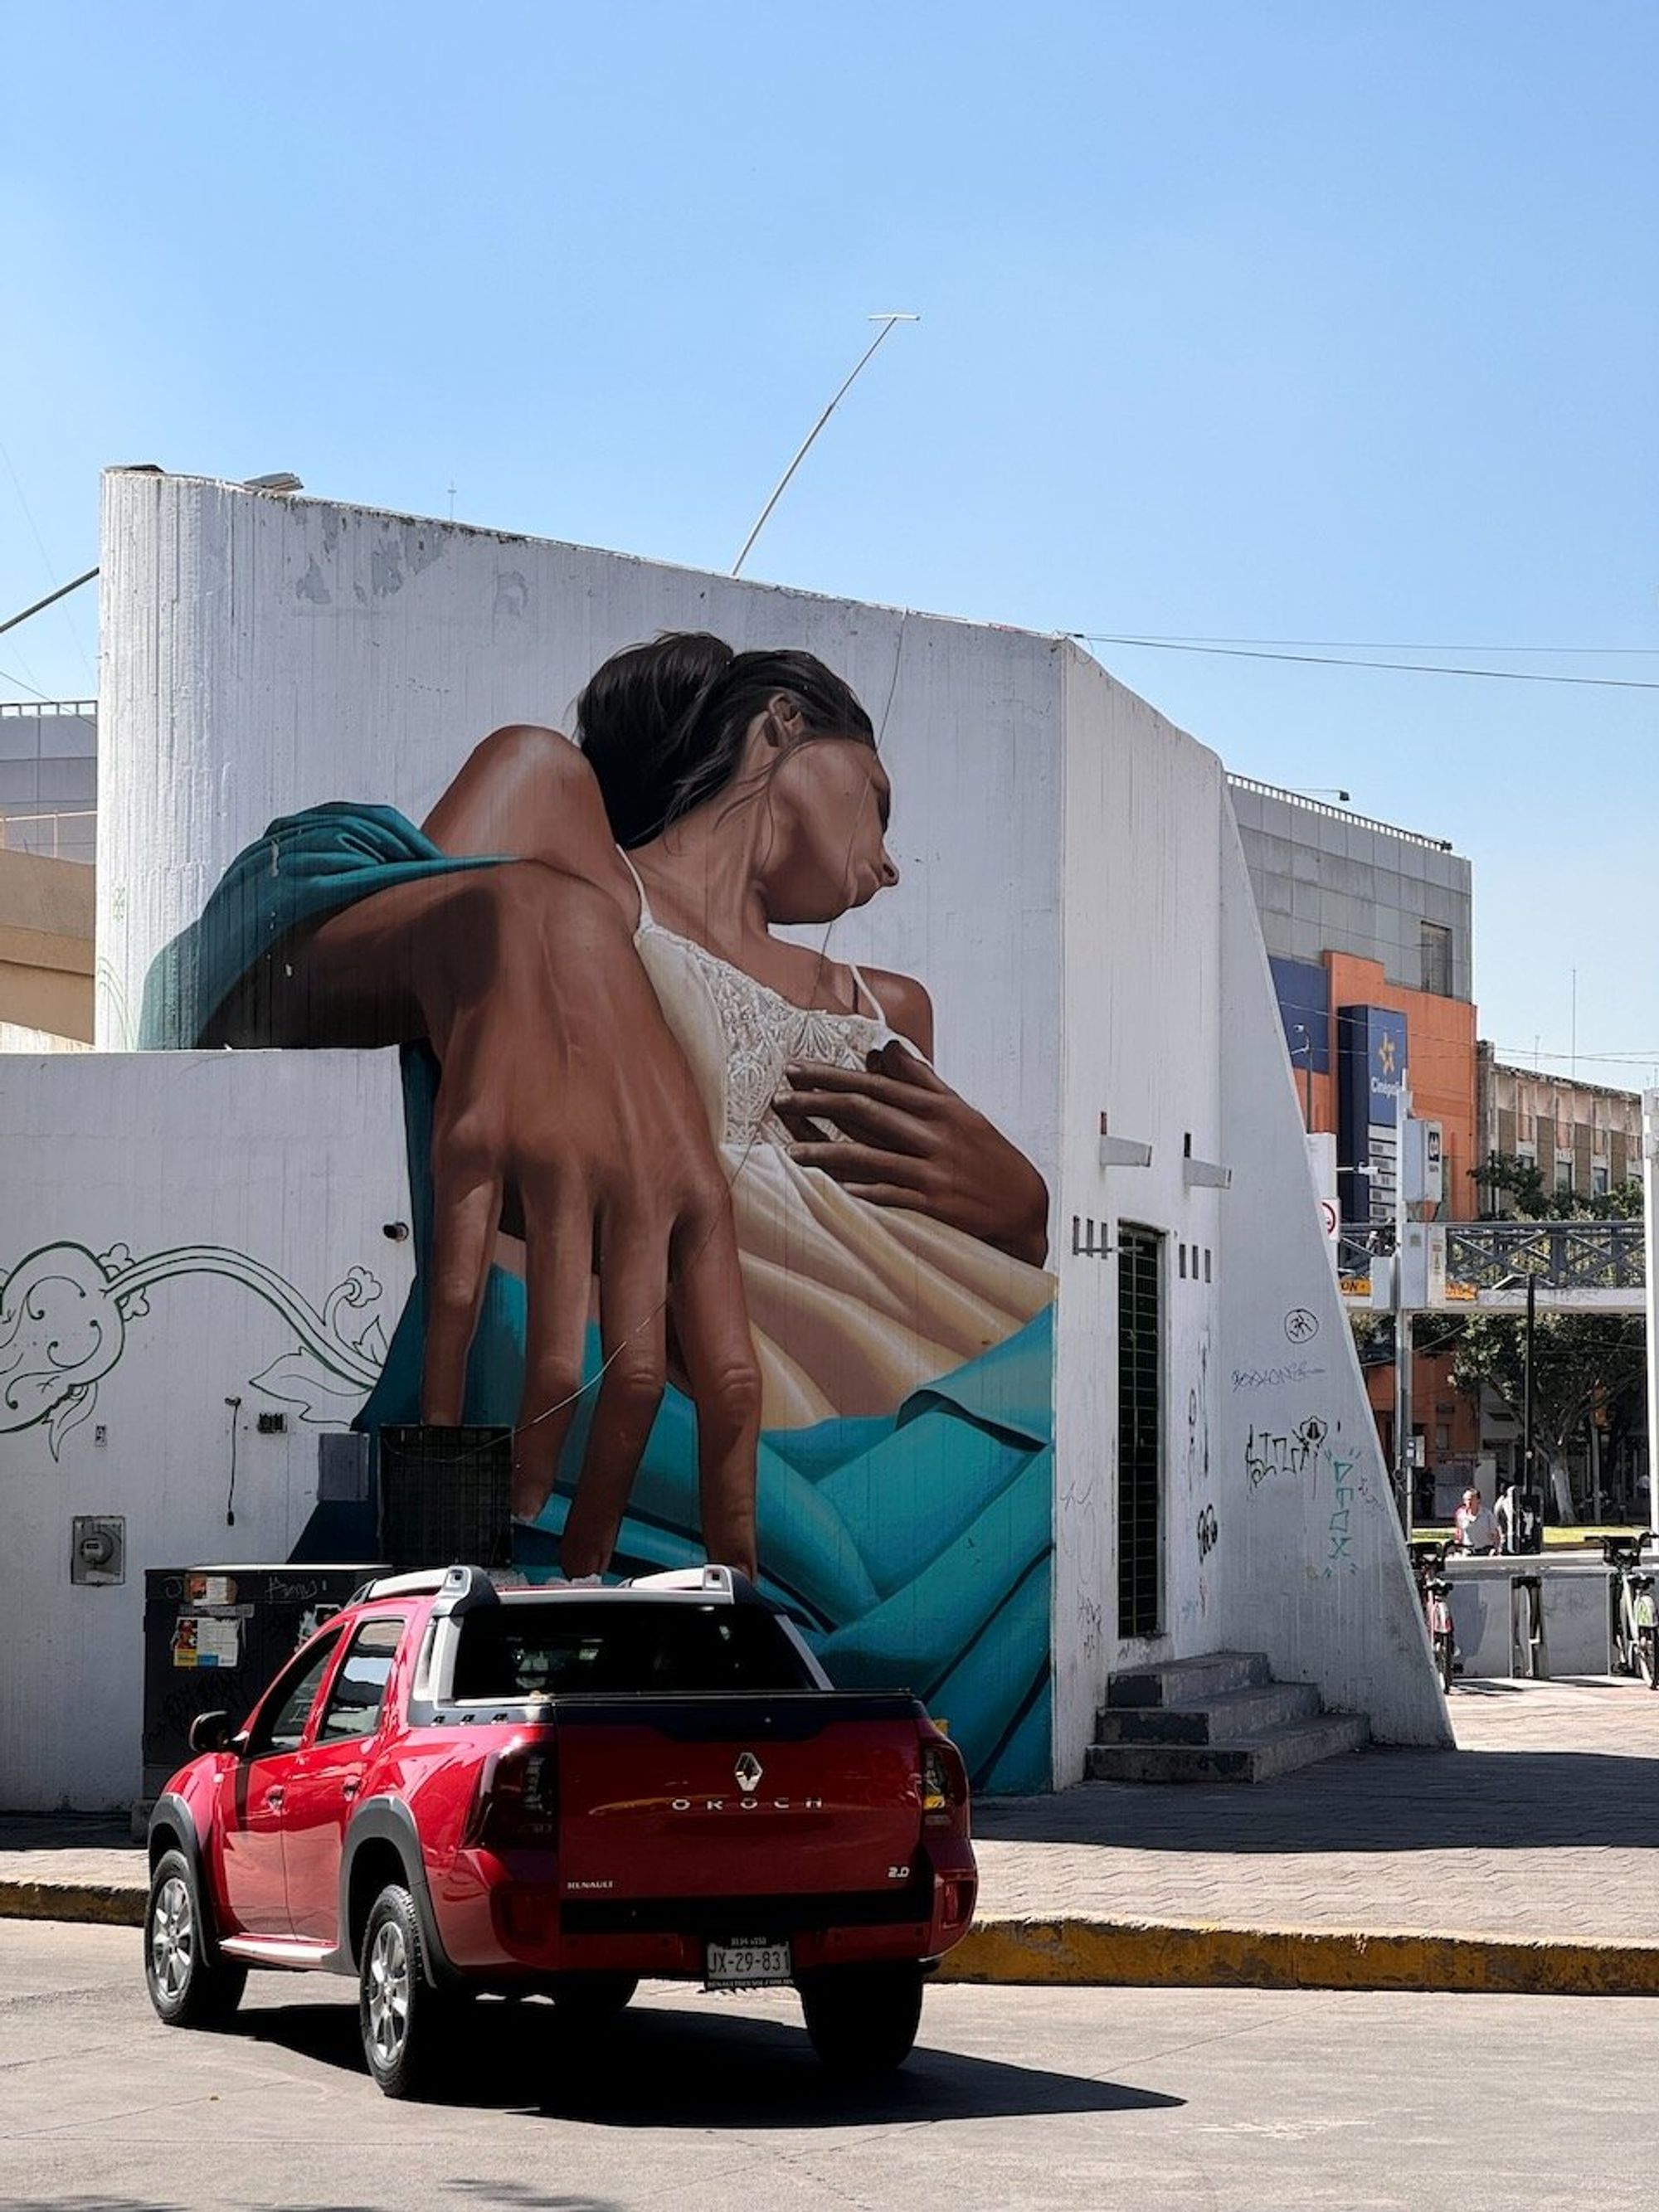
(573, 1648)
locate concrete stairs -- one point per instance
(1220, 1718)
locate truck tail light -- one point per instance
(958, 1898)
(516, 1801)
(944, 1787)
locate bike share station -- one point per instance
(1535, 1618)
(1521, 1616)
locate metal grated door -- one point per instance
(1140, 1431)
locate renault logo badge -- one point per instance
(747, 1773)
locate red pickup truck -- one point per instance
(454, 1789)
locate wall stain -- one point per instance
(311, 586)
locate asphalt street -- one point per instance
(1142, 2099)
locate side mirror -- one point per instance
(209, 1732)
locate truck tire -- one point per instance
(862, 2019)
(407, 2025)
(190, 1985)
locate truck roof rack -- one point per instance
(457, 1589)
(727, 1583)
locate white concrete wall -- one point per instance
(252, 1171)
(1142, 802)
(1314, 1570)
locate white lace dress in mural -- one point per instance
(852, 1306)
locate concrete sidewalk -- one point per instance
(1525, 1861)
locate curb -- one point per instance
(1085, 1953)
(1082, 1953)
(105, 1904)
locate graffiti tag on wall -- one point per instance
(1273, 1378)
(1342, 1466)
(1291, 1451)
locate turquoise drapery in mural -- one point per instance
(914, 1548)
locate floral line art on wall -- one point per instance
(65, 1312)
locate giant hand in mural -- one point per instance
(695, 1212)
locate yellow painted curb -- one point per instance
(1090, 1954)
(109, 1905)
(1085, 1953)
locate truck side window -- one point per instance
(358, 1691)
(283, 1716)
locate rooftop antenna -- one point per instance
(887, 323)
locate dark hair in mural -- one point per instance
(663, 725)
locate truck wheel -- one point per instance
(190, 1985)
(862, 2019)
(402, 2018)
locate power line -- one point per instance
(1386, 645)
(1537, 1052)
(50, 564)
(6, 677)
(1331, 661)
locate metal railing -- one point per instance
(1565, 1255)
(1337, 813)
(43, 833)
(1572, 1265)
(85, 709)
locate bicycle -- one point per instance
(1434, 1595)
(1635, 1620)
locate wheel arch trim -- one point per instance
(382, 1820)
(173, 1827)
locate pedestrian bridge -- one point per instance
(1486, 1266)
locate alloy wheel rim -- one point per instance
(388, 1993)
(173, 1938)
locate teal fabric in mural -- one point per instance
(914, 1548)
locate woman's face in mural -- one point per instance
(828, 803)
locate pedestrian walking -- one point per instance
(1477, 1526)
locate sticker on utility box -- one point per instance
(201, 1641)
(211, 1589)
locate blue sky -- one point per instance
(1257, 320)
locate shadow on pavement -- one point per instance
(659, 2067)
(1379, 1800)
(507, 2193)
(93, 2204)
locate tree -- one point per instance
(1585, 1365)
(1507, 1172)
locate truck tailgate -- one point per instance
(770, 1794)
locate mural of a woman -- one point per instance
(605, 1036)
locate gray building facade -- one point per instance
(49, 778)
(1329, 880)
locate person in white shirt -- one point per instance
(1477, 1525)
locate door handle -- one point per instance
(351, 1785)
(274, 1796)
